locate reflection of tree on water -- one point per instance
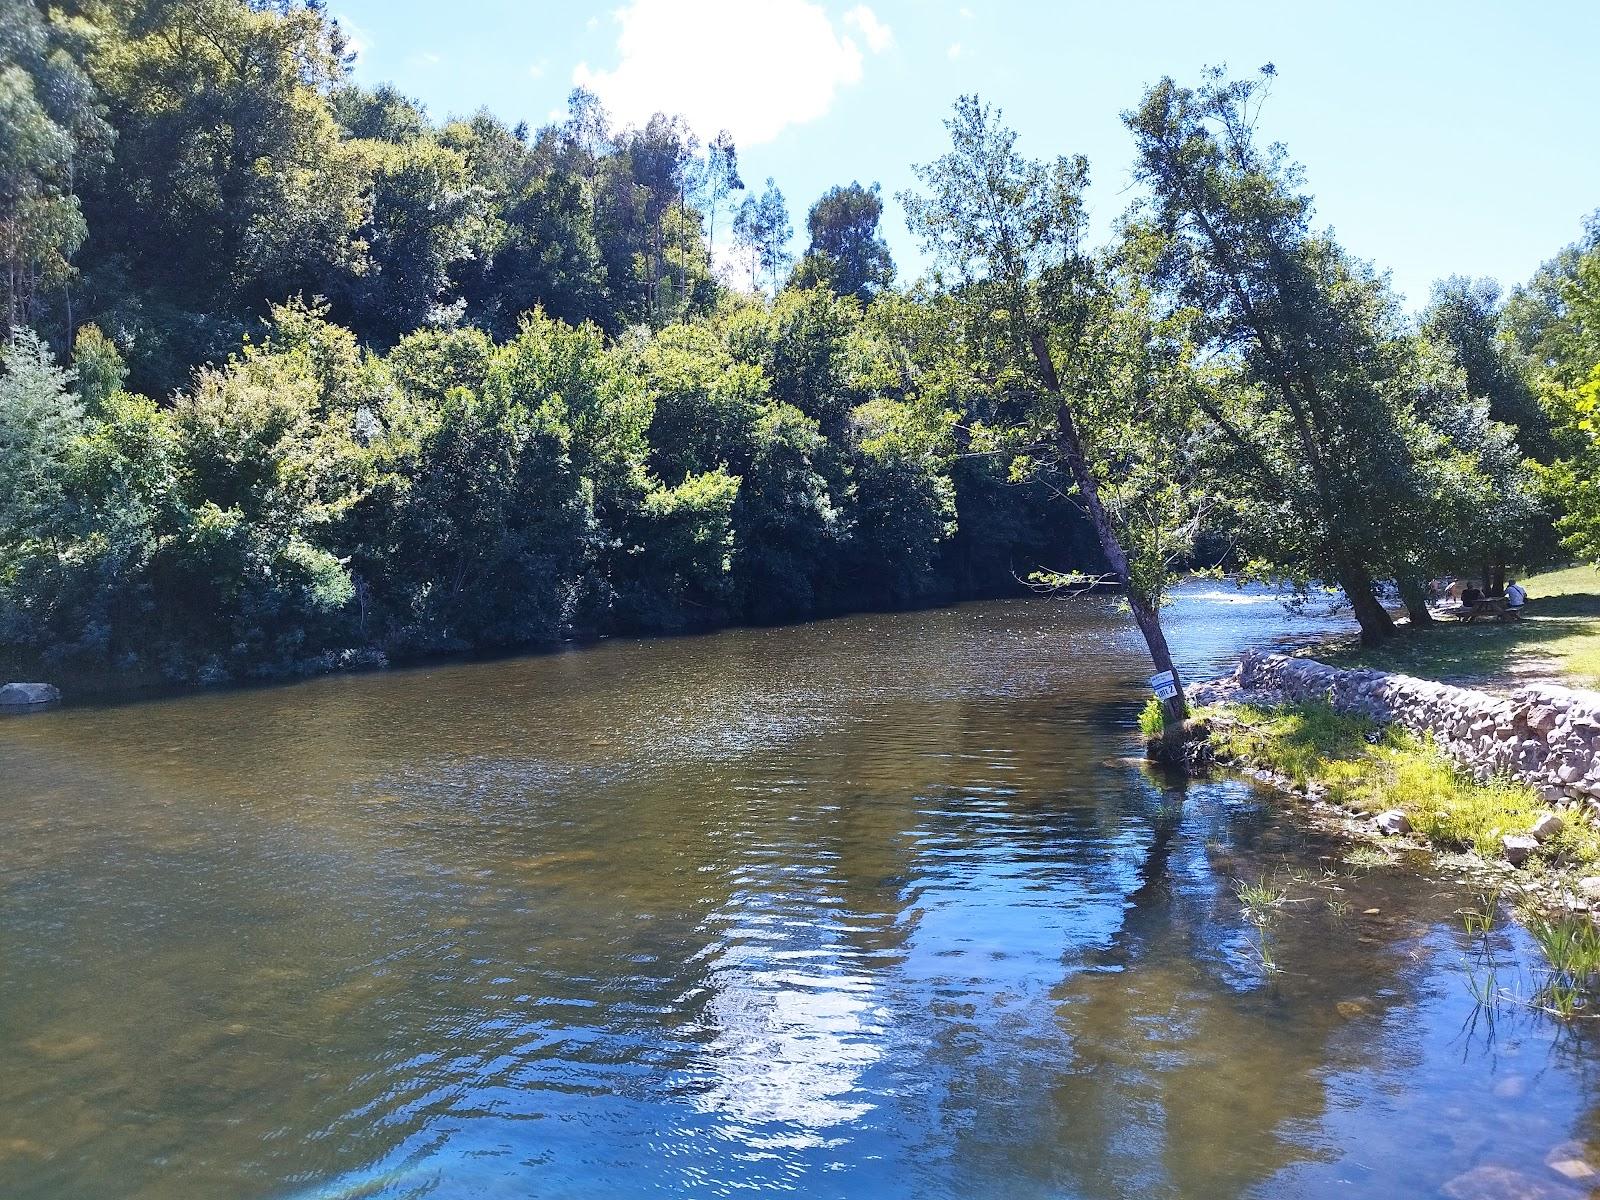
(1178, 1072)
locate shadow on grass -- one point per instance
(1558, 632)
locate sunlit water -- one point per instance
(871, 907)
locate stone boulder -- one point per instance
(1393, 823)
(1517, 848)
(1546, 827)
(25, 697)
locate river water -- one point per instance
(877, 906)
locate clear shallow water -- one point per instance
(869, 907)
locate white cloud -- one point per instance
(537, 70)
(878, 36)
(426, 58)
(753, 67)
(954, 52)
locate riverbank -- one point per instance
(1496, 778)
(1396, 791)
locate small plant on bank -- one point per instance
(1151, 722)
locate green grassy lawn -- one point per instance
(1558, 640)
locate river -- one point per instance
(871, 907)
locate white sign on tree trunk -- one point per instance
(1165, 685)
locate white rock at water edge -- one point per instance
(20, 696)
(1393, 822)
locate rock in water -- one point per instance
(1517, 848)
(1502, 1183)
(1393, 822)
(21, 697)
(1568, 1160)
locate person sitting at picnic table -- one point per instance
(1471, 596)
(1516, 595)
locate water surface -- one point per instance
(874, 907)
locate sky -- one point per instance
(1438, 137)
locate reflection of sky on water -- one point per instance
(869, 908)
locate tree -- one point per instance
(231, 186)
(1010, 231)
(52, 127)
(1464, 314)
(1303, 324)
(718, 179)
(40, 420)
(762, 228)
(846, 253)
(1566, 351)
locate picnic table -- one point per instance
(1490, 608)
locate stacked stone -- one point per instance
(1546, 736)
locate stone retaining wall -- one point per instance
(1546, 736)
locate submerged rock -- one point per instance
(1502, 1183)
(21, 697)
(1568, 1160)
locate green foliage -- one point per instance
(785, 516)
(846, 254)
(1152, 722)
(419, 385)
(51, 127)
(98, 367)
(684, 569)
(40, 421)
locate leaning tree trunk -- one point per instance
(1374, 619)
(1415, 595)
(1176, 710)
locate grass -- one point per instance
(1363, 767)
(1559, 638)
(1480, 917)
(1571, 945)
(1151, 722)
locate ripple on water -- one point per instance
(872, 907)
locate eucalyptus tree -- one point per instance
(762, 228)
(1007, 234)
(716, 179)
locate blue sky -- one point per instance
(1438, 137)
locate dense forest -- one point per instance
(298, 377)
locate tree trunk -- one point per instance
(1415, 595)
(1375, 621)
(1176, 710)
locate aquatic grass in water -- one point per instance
(1571, 945)
(1482, 916)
